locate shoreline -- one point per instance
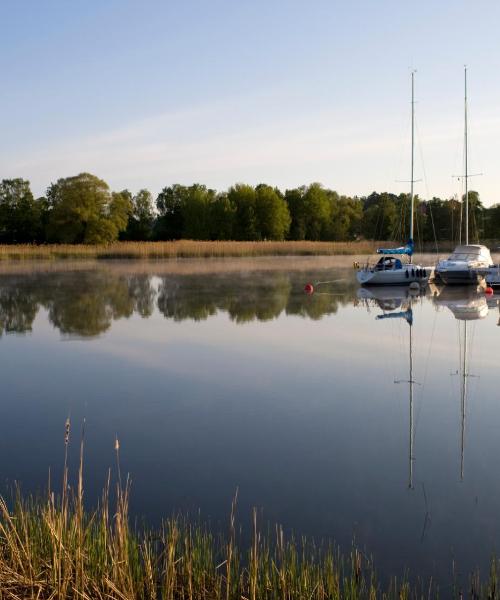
(194, 249)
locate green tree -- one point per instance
(83, 210)
(318, 212)
(272, 214)
(381, 218)
(221, 217)
(195, 210)
(170, 223)
(242, 197)
(297, 209)
(20, 214)
(141, 219)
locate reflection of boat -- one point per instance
(466, 304)
(465, 265)
(492, 275)
(390, 270)
(389, 297)
(407, 315)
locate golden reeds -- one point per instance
(183, 249)
(53, 549)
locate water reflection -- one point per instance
(330, 411)
(466, 304)
(85, 303)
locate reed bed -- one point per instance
(183, 249)
(53, 548)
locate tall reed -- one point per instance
(182, 249)
(52, 548)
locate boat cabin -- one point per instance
(471, 252)
(388, 263)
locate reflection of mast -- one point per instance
(463, 397)
(408, 316)
(411, 382)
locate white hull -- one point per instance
(409, 273)
(466, 266)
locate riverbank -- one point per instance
(183, 249)
(54, 548)
(198, 249)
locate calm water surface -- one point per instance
(219, 375)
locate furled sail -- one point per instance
(408, 249)
(406, 314)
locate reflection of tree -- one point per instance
(85, 303)
(244, 297)
(88, 307)
(18, 309)
(247, 296)
(78, 303)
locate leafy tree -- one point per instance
(221, 217)
(83, 210)
(170, 223)
(318, 212)
(242, 197)
(141, 219)
(272, 215)
(195, 210)
(381, 216)
(20, 214)
(297, 209)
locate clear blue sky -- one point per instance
(149, 93)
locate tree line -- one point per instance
(83, 210)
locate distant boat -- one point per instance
(467, 263)
(390, 270)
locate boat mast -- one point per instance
(412, 153)
(466, 162)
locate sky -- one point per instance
(155, 92)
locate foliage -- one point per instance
(20, 214)
(82, 209)
(141, 218)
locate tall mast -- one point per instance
(412, 152)
(466, 162)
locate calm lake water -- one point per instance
(217, 375)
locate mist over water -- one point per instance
(217, 375)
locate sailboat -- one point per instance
(391, 270)
(468, 262)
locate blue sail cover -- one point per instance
(407, 314)
(408, 249)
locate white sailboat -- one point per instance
(391, 270)
(467, 263)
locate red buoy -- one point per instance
(489, 290)
(309, 288)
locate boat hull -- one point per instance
(408, 274)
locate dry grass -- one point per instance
(184, 249)
(53, 548)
